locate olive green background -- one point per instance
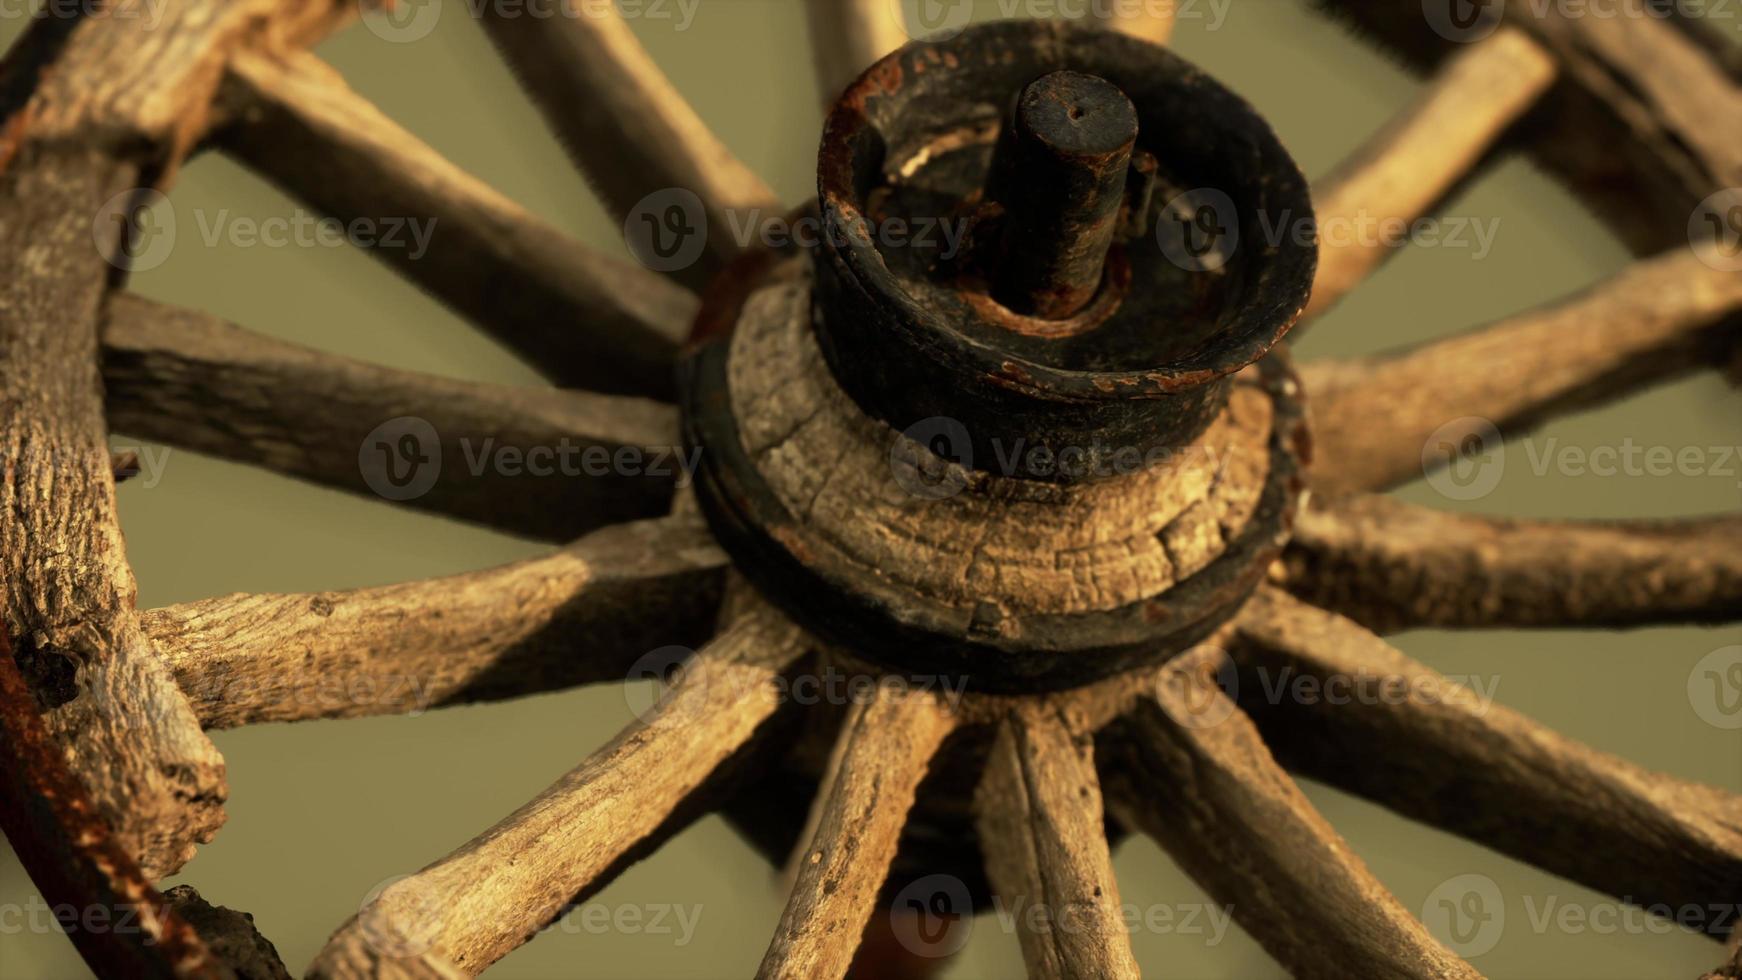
(323, 812)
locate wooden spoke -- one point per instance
(627, 127)
(580, 317)
(1660, 317)
(474, 906)
(1392, 566)
(1192, 773)
(582, 614)
(1419, 156)
(1149, 20)
(882, 754)
(1437, 752)
(542, 462)
(229, 934)
(848, 36)
(1038, 811)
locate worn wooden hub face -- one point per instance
(1040, 444)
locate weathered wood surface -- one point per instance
(1189, 769)
(847, 37)
(1658, 318)
(544, 462)
(1393, 566)
(627, 127)
(882, 753)
(581, 317)
(474, 906)
(1038, 812)
(1420, 155)
(74, 859)
(582, 614)
(1435, 751)
(229, 934)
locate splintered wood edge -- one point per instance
(881, 755)
(1446, 756)
(1392, 566)
(192, 380)
(626, 126)
(474, 906)
(1421, 154)
(1039, 816)
(1656, 319)
(580, 316)
(1190, 770)
(582, 614)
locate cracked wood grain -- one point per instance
(880, 756)
(1420, 155)
(579, 316)
(626, 126)
(1392, 566)
(1659, 318)
(1038, 812)
(1189, 769)
(474, 906)
(1444, 756)
(847, 37)
(579, 460)
(582, 614)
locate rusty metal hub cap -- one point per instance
(1017, 418)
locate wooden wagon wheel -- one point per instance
(1108, 675)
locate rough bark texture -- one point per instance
(230, 935)
(1190, 770)
(1443, 756)
(1420, 155)
(1393, 566)
(880, 757)
(543, 462)
(582, 614)
(474, 906)
(1659, 317)
(1038, 811)
(847, 36)
(627, 127)
(579, 316)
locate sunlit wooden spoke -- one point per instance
(543, 462)
(1419, 156)
(1150, 20)
(1191, 771)
(1393, 566)
(626, 126)
(1375, 416)
(1404, 736)
(474, 906)
(882, 753)
(577, 315)
(1038, 810)
(582, 614)
(847, 36)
